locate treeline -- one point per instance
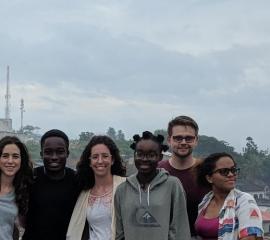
(78, 145)
(254, 163)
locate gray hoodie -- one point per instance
(158, 213)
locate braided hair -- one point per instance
(146, 135)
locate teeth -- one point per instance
(10, 169)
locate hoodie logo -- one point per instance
(145, 218)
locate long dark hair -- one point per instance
(24, 177)
(85, 174)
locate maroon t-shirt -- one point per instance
(194, 193)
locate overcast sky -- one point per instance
(135, 64)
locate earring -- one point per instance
(209, 180)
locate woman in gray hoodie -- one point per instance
(150, 204)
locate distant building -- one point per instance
(5, 125)
(21, 136)
(260, 192)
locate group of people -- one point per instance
(180, 198)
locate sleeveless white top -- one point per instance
(99, 216)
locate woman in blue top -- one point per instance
(15, 179)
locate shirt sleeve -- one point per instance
(249, 217)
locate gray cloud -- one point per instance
(123, 63)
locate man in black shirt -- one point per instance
(54, 191)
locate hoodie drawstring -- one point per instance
(148, 194)
(139, 187)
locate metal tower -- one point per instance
(7, 96)
(22, 111)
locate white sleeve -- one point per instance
(249, 216)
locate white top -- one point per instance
(99, 217)
(77, 221)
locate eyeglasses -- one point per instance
(225, 171)
(103, 156)
(179, 138)
(148, 155)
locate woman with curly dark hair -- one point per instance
(100, 170)
(15, 178)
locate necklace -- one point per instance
(106, 192)
(104, 198)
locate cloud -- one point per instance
(133, 65)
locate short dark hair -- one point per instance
(183, 121)
(207, 166)
(24, 177)
(85, 174)
(148, 135)
(54, 133)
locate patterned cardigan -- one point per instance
(239, 216)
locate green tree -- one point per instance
(111, 133)
(34, 151)
(162, 132)
(85, 136)
(251, 147)
(252, 167)
(120, 135)
(208, 145)
(265, 176)
(29, 129)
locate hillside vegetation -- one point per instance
(254, 163)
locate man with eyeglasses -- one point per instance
(183, 138)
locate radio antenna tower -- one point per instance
(22, 111)
(7, 96)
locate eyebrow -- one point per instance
(13, 154)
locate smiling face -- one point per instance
(183, 140)
(220, 182)
(147, 155)
(54, 153)
(10, 160)
(101, 160)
